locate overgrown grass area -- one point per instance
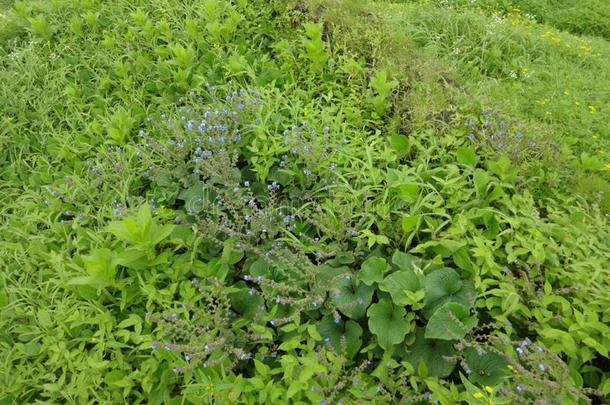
(308, 202)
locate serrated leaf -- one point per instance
(467, 156)
(400, 143)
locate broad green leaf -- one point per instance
(89, 281)
(409, 222)
(389, 323)
(127, 230)
(327, 276)
(400, 143)
(161, 233)
(481, 179)
(372, 270)
(144, 218)
(467, 156)
(444, 285)
(487, 368)
(245, 302)
(101, 264)
(437, 355)
(400, 282)
(568, 345)
(133, 258)
(408, 192)
(351, 298)
(335, 333)
(405, 261)
(230, 253)
(451, 321)
(197, 197)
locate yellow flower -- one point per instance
(592, 109)
(489, 389)
(608, 166)
(477, 395)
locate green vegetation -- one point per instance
(324, 201)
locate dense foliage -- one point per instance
(233, 201)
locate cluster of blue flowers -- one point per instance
(490, 129)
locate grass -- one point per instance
(380, 169)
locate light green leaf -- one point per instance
(408, 192)
(467, 156)
(162, 233)
(409, 222)
(372, 270)
(389, 323)
(400, 282)
(400, 143)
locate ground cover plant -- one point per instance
(304, 202)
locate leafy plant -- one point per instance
(389, 323)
